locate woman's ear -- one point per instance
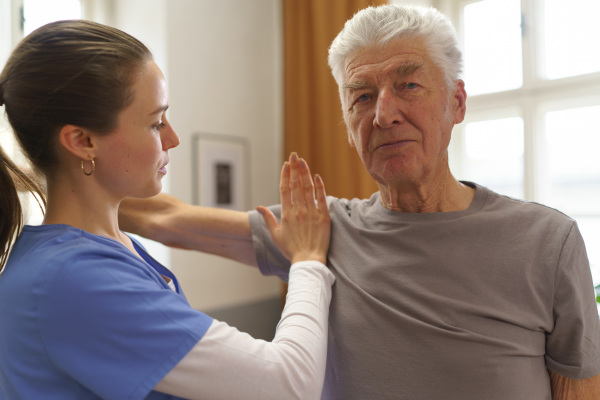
(77, 141)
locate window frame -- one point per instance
(531, 102)
(536, 96)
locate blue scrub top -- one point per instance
(82, 317)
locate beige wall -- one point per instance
(223, 63)
(223, 67)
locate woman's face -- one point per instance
(131, 161)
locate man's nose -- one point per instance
(387, 109)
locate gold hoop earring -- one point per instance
(93, 167)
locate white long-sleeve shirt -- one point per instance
(228, 364)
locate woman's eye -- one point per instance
(159, 126)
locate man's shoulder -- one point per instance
(524, 215)
(498, 201)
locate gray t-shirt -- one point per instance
(473, 304)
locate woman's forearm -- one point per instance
(170, 221)
(228, 364)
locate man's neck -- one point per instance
(437, 196)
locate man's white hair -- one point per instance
(376, 26)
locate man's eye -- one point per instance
(410, 85)
(362, 98)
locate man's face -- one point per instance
(399, 112)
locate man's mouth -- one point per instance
(393, 144)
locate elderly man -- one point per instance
(445, 289)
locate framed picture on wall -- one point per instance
(221, 171)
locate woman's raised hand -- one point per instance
(305, 224)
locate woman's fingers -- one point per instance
(307, 184)
(269, 219)
(284, 186)
(300, 182)
(320, 193)
(296, 181)
(304, 229)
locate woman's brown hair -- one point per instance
(67, 72)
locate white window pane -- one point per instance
(494, 155)
(572, 170)
(9, 143)
(40, 12)
(492, 46)
(571, 38)
(590, 230)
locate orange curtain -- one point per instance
(313, 124)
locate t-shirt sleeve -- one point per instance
(573, 346)
(269, 259)
(109, 323)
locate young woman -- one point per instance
(85, 312)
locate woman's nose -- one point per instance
(169, 138)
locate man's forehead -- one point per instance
(402, 57)
(404, 69)
(399, 68)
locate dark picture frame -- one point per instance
(221, 168)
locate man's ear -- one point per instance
(459, 101)
(77, 141)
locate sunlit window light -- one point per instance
(40, 12)
(571, 40)
(492, 46)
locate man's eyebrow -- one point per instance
(408, 68)
(358, 85)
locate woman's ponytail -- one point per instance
(13, 180)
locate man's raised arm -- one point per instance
(564, 388)
(170, 221)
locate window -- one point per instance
(532, 73)
(570, 39)
(40, 12)
(493, 62)
(494, 153)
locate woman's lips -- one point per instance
(163, 169)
